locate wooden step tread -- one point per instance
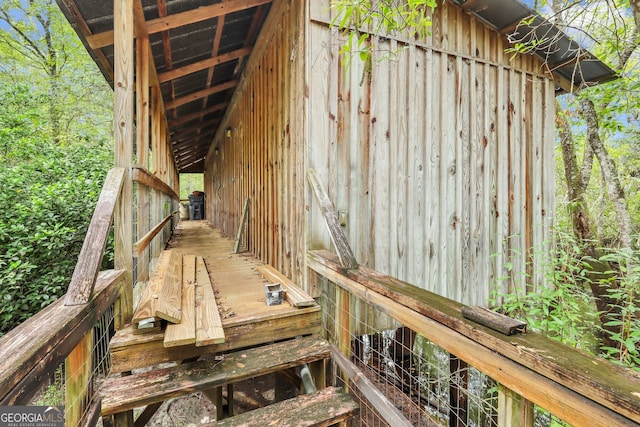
(323, 408)
(120, 394)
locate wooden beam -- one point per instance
(198, 115)
(142, 176)
(243, 222)
(90, 258)
(571, 384)
(124, 393)
(202, 94)
(34, 349)
(373, 395)
(145, 240)
(124, 85)
(338, 237)
(294, 295)
(201, 65)
(100, 40)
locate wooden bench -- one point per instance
(322, 408)
(120, 394)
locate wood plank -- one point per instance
(169, 303)
(322, 408)
(88, 265)
(243, 222)
(141, 175)
(145, 241)
(185, 332)
(573, 385)
(338, 237)
(146, 308)
(374, 396)
(294, 294)
(128, 392)
(208, 322)
(35, 348)
(201, 65)
(131, 350)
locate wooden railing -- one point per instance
(62, 333)
(574, 386)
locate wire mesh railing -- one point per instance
(429, 386)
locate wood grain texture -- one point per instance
(331, 220)
(561, 379)
(145, 241)
(169, 303)
(208, 322)
(124, 393)
(293, 293)
(35, 348)
(141, 175)
(146, 307)
(323, 408)
(184, 332)
(88, 265)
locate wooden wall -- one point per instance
(441, 154)
(263, 159)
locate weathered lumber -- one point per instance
(120, 394)
(146, 307)
(243, 222)
(373, 395)
(77, 384)
(326, 407)
(573, 385)
(35, 348)
(294, 295)
(142, 176)
(131, 350)
(145, 240)
(168, 306)
(208, 322)
(184, 332)
(496, 321)
(88, 265)
(338, 237)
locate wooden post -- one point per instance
(513, 409)
(123, 138)
(458, 392)
(78, 390)
(142, 147)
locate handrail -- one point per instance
(571, 384)
(35, 348)
(142, 176)
(145, 241)
(88, 265)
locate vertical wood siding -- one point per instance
(440, 153)
(263, 159)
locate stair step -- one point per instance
(120, 394)
(322, 408)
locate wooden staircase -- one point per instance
(322, 408)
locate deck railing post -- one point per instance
(513, 409)
(123, 127)
(77, 368)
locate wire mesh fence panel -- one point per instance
(429, 386)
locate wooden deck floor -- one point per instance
(240, 293)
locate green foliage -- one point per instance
(47, 203)
(565, 311)
(360, 18)
(55, 148)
